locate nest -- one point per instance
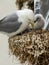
(31, 47)
(30, 4)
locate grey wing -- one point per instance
(10, 23)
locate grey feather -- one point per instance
(10, 23)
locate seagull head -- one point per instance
(39, 21)
(38, 18)
(30, 16)
(27, 16)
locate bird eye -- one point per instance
(36, 20)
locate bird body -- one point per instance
(16, 22)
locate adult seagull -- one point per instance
(16, 22)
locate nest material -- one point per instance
(32, 47)
(30, 4)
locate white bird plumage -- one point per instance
(39, 21)
(16, 22)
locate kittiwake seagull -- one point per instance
(39, 21)
(16, 22)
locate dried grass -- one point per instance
(32, 47)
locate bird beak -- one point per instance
(32, 23)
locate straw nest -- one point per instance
(31, 47)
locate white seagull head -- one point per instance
(39, 21)
(38, 18)
(30, 16)
(26, 15)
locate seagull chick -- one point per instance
(39, 21)
(16, 22)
